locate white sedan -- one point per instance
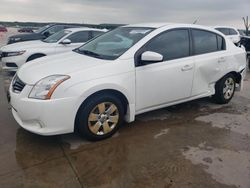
(123, 73)
(15, 55)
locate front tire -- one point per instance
(100, 117)
(225, 89)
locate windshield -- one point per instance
(114, 43)
(40, 30)
(57, 36)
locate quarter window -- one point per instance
(79, 37)
(172, 44)
(204, 42)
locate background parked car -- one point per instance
(15, 55)
(41, 33)
(3, 29)
(25, 30)
(231, 32)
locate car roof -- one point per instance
(226, 27)
(83, 29)
(173, 25)
(150, 25)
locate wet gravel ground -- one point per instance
(193, 145)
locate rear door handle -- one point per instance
(187, 68)
(221, 59)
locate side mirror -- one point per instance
(66, 41)
(151, 57)
(46, 34)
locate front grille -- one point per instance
(17, 85)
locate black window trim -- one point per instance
(217, 34)
(140, 51)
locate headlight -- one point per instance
(44, 88)
(10, 54)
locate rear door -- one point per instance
(210, 59)
(168, 81)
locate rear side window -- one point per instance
(221, 43)
(232, 32)
(205, 42)
(225, 31)
(79, 37)
(172, 44)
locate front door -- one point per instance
(168, 81)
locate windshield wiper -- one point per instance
(90, 53)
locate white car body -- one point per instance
(40, 47)
(145, 88)
(231, 33)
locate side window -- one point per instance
(55, 29)
(172, 44)
(96, 33)
(79, 37)
(221, 43)
(232, 32)
(204, 42)
(225, 31)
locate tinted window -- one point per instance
(79, 37)
(221, 43)
(96, 33)
(225, 31)
(57, 36)
(172, 45)
(55, 29)
(204, 42)
(232, 32)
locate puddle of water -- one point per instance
(74, 141)
(162, 133)
(238, 123)
(225, 166)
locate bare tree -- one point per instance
(247, 24)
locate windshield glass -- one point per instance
(114, 43)
(57, 36)
(40, 30)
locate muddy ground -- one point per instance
(196, 145)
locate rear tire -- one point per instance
(100, 117)
(224, 89)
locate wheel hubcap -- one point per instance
(103, 118)
(228, 89)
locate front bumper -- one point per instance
(43, 117)
(12, 63)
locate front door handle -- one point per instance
(187, 68)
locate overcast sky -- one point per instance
(208, 12)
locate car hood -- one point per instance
(29, 36)
(25, 46)
(62, 64)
